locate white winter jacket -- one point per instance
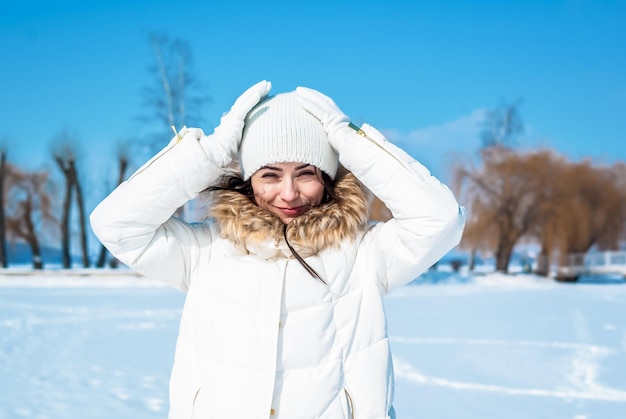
(259, 336)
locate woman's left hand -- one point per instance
(336, 123)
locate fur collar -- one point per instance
(250, 227)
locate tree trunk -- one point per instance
(503, 255)
(3, 234)
(31, 235)
(543, 263)
(65, 218)
(472, 260)
(102, 257)
(65, 225)
(81, 214)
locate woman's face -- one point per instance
(288, 190)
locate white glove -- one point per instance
(335, 122)
(340, 131)
(227, 135)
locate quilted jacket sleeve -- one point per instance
(427, 220)
(135, 221)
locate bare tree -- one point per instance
(62, 162)
(29, 208)
(175, 96)
(3, 236)
(593, 211)
(122, 157)
(82, 223)
(540, 196)
(499, 205)
(548, 228)
(551, 170)
(619, 170)
(65, 156)
(502, 125)
(585, 207)
(503, 199)
(480, 234)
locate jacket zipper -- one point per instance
(350, 403)
(171, 145)
(196, 397)
(380, 142)
(149, 163)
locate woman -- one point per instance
(285, 280)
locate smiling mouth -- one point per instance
(292, 211)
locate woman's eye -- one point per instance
(269, 175)
(307, 173)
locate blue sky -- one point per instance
(423, 72)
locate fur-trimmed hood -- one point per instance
(255, 230)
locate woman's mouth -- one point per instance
(292, 211)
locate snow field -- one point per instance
(85, 346)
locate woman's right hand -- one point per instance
(228, 133)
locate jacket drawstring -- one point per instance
(299, 258)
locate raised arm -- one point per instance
(135, 221)
(427, 220)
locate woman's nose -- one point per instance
(289, 191)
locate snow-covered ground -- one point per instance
(489, 346)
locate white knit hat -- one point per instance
(280, 130)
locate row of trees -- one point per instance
(541, 197)
(31, 211)
(512, 197)
(537, 197)
(26, 207)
